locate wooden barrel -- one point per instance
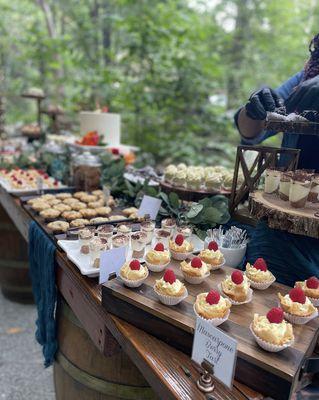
(14, 268)
(81, 372)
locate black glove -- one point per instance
(304, 97)
(260, 102)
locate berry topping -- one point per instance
(56, 182)
(169, 276)
(213, 245)
(45, 176)
(312, 283)
(196, 262)
(260, 264)
(135, 265)
(213, 297)
(179, 240)
(237, 277)
(297, 295)
(275, 315)
(159, 247)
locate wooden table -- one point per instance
(161, 364)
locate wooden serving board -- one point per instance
(276, 373)
(280, 215)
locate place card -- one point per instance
(151, 206)
(111, 261)
(218, 349)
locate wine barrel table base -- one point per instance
(14, 269)
(81, 372)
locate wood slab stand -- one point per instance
(278, 374)
(280, 215)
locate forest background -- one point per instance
(176, 70)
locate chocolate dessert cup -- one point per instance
(272, 179)
(313, 196)
(284, 185)
(300, 189)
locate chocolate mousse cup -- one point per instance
(162, 236)
(284, 185)
(300, 189)
(272, 180)
(314, 190)
(138, 244)
(169, 224)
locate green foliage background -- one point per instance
(157, 62)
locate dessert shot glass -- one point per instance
(300, 189)
(96, 247)
(162, 236)
(85, 236)
(284, 185)
(272, 180)
(148, 228)
(138, 243)
(105, 233)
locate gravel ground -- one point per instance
(22, 374)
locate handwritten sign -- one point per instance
(150, 205)
(111, 261)
(220, 350)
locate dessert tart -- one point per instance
(212, 256)
(79, 195)
(50, 214)
(271, 331)
(88, 213)
(272, 180)
(180, 248)
(259, 275)
(103, 211)
(211, 306)
(297, 307)
(40, 206)
(170, 290)
(63, 196)
(133, 274)
(88, 198)
(78, 205)
(311, 289)
(98, 220)
(58, 226)
(129, 211)
(195, 271)
(62, 207)
(158, 258)
(237, 288)
(71, 215)
(96, 204)
(79, 222)
(54, 202)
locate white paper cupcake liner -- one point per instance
(314, 301)
(156, 268)
(216, 267)
(297, 320)
(260, 285)
(213, 321)
(273, 348)
(133, 284)
(170, 300)
(180, 256)
(195, 280)
(237, 303)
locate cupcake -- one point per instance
(133, 274)
(212, 256)
(195, 271)
(211, 306)
(228, 181)
(237, 288)
(170, 290)
(193, 181)
(180, 248)
(214, 181)
(311, 289)
(169, 173)
(272, 332)
(297, 307)
(158, 258)
(180, 178)
(258, 274)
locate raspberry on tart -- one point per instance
(179, 240)
(260, 264)
(275, 315)
(196, 262)
(159, 247)
(213, 297)
(135, 265)
(213, 245)
(237, 277)
(297, 295)
(312, 283)
(169, 276)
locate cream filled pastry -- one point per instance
(236, 286)
(169, 285)
(158, 255)
(296, 303)
(272, 328)
(196, 267)
(180, 245)
(310, 287)
(212, 305)
(259, 272)
(133, 270)
(212, 255)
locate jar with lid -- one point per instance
(86, 172)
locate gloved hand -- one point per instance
(260, 102)
(304, 97)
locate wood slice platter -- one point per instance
(276, 373)
(191, 195)
(280, 215)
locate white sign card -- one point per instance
(111, 261)
(150, 205)
(220, 350)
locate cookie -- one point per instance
(98, 220)
(40, 206)
(78, 206)
(88, 213)
(88, 198)
(58, 226)
(96, 204)
(54, 202)
(63, 196)
(78, 195)
(50, 214)
(71, 215)
(79, 222)
(62, 207)
(103, 211)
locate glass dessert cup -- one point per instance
(284, 185)
(313, 196)
(185, 230)
(148, 228)
(162, 236)
(120, 240)
(272, 180)
(105, 233)
(138, 244)
(168, 224)
(85, 236)
(124, 229)
(96, 247)
(299, 192)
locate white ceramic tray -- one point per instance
(5, 184)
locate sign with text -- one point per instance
(150, 205)
(220, 350)
(111, 261)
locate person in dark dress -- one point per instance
(290, 257)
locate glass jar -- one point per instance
(105, 233)
(86, 172)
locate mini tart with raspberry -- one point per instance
(236, 286)
(259, 272)
(133, 271)
(297, 303)
(211, 305)
(180, 245)
(211, 257)
(272, 328)
(310, 287)
(169, 285)
(158, 255)
(195, 268)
